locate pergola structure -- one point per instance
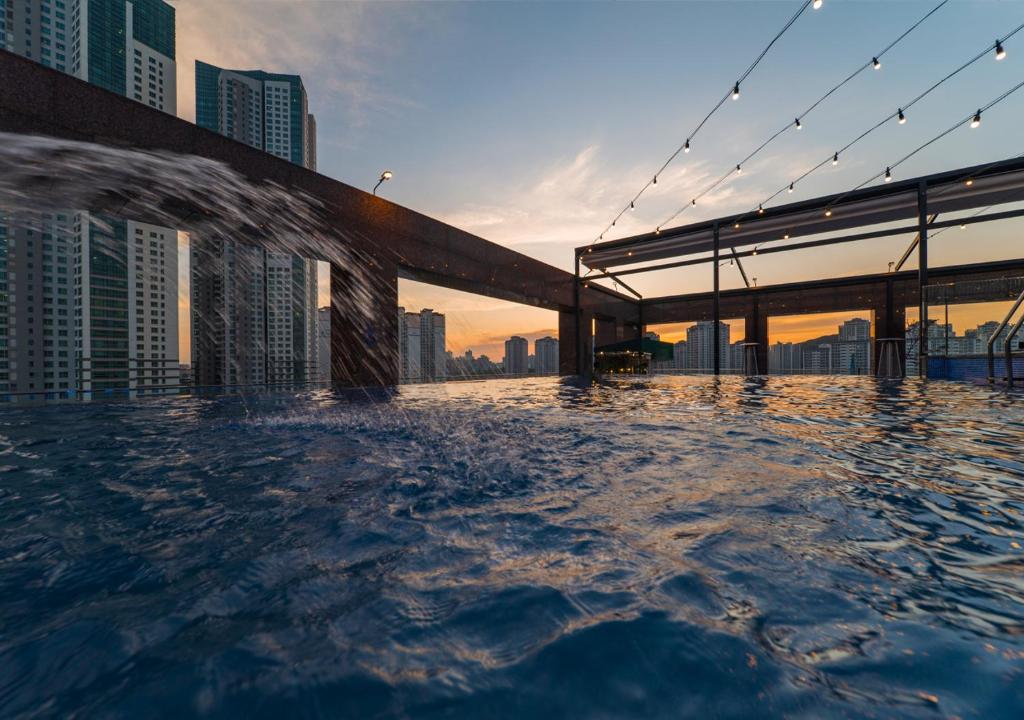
(919, 205)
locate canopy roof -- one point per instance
(955, 190)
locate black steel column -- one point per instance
(717, 334)
(922, 279)
(579, 330)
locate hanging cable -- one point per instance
(733, 93)
(874, 62)
(791, 185)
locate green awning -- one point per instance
(658, 350)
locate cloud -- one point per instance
(572, 201)
(336, 47)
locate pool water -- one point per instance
(678, 547)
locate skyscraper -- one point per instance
(254, 312)
(421, 346)
(700, 344)
(269, 111)
(323, 335)
(92, 300)
(546, 351)
(433, 360)
(516, 351)
(125, 46)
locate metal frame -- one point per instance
(998, 183)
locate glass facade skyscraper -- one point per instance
(254, 312)
(89, 303)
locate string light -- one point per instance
(760, 209)
(685, 148)
(657, 230)
(817, 4)
(969, 182)
(754, 251)
(976, 120)
(828, 212)
(786, 236)
(632, 205)
(798, 120)
(902, 118)
(1000, 53)
(739, 170)
(835, 159)
(963, 226)
(791, 187)
(798, 125)
(736, 226)
(694, 202)
(876, 64)
(888, 175)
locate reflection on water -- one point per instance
(677, 547)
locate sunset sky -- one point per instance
(532, 124)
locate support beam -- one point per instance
(756, 331)
(922, 278)
(364, 346)
(739, 264)
(910, 248)
(578, 314)
(716, 303)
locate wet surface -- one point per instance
(683, 547)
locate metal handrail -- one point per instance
(1009, 350)
(990, 348)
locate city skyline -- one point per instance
(543, 187)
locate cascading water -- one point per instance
(203, 197)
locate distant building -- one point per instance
(651, 335)
(421, 346)
(700, 345)
(516, 350)
(432, 345)
(546, 351)
(680, 359)
(323, 347)
(783, 358)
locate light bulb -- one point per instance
(828, 213)
(736, 91)
(963, 226)
(1000, 53)
(736, 226)
(976, 120)
(739, 170)
(799, 126)
(760, 209)
(657, 230)
(816, 4)
(754, 252)
(835, 159)
(694, 202)
(876, 64)
(969, 182)
(655, 181)
(686, 146)
(888, 175)
(901, 117)
(791, 187)
(632, 205)
(786, 236)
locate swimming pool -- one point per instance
(676, 547)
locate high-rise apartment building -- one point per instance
(700, 346)
(125, 46)
(91, 301)
(254, 312)
(323, 351)
(516, 352)
(421, 346)
(545, 351)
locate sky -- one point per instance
(532, 124)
